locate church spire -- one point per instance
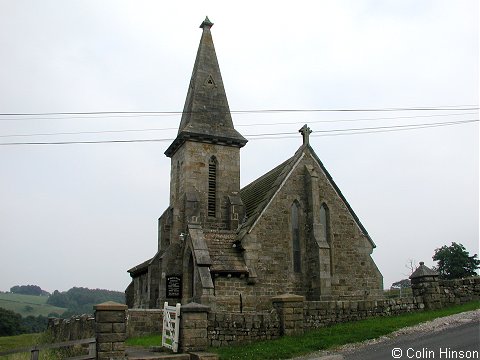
(206, 115)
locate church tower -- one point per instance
(205, 155)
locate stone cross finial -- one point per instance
(305, 131)
(206, 23)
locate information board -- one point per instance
(174, 286)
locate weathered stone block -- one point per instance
(110, 316)
(104, 327)
(105, 347)
(113, 337)
(118, 327)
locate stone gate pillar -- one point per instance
(290, 312)
(193, 327)
(425, 287)
(110, 330)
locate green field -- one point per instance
(26, 305)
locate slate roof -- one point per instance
(423, 271)
(140, 268)
(226, 258)
(257, 195)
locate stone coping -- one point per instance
(110, 306)
(194, 307)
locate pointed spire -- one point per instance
(206, 115)
(206, 23)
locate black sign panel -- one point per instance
(174, 286)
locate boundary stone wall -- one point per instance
(74, 328)
(142, 322)
(459, 291)
(323, 313)
(139, 322)
(233, 328)
(290, 314)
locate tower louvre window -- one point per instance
(212, 186)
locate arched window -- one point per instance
(212, 186)
(297, 256)
(325, 222)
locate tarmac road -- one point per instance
(452, 337)
(460, 342)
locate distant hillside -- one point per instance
(80, 300)
(29, 305)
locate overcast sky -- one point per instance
(82, 214)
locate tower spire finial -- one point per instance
(206, 23)
(305, 131)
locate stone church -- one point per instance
(289, 231)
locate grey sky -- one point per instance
(81, 215)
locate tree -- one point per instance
(80, 300)
(27, 290)
(10, 323)
(455, 262)
(402, 284)
(411, 266)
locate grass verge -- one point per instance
(145, 341)
(30, 340)
(333, 336)
(19, 341)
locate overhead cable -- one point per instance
(335, 132)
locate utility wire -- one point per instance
(155, 113)
(336, 132)
(238, 125)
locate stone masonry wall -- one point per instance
(142, 322)
(269, 250)
(139, 322)
(75, 328)
(459, 291)
(322, 313)
(227, 329)
(440, 293)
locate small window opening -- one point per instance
(212, 186)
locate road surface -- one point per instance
(452, 337)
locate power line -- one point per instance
(335, 132)
(238, 125)
(260, 111)
(366, 129)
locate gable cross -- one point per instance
(305, 131)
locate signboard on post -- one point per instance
(174, 286)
